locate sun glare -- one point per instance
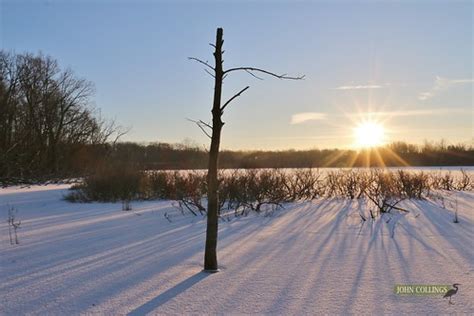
(369, 134)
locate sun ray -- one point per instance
(397, 157)
(379, 158)
(353, 159)
(333, 158)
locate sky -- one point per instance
(407, 65)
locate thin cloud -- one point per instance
(338, 136)
(424, 112)
(358, 87)
(442, 84)
(425, 96)
(299, 118)
(456, 81)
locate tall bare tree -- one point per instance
(217, 71)
(45, 116)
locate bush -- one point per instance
(110, 184)
(413, 185)
(159, 185)
(250, 189)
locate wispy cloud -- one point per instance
(416, 112)
(299, 118)
(425, 96)
(441, 84)
(358, 87)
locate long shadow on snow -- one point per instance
(288, 232)
(376, 233)
(331, 224)
(453, 234)
(66, 256)
(143, 260)
(168, 295)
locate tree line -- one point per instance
(48, 126)
(159, 156)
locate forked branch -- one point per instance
(201, 124)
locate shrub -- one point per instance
(465, 182)
(109, 183)
(159, 185)
(251, 189)
(413, 185)
(302, 184)
(189, 190)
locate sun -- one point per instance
(369, 134)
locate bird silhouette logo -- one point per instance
(452, 292)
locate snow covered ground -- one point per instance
(311, 257)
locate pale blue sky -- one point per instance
(409, 60)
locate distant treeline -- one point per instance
(83, 159)
(178, 156)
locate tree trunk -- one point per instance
(210, 256)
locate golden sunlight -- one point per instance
(369, 134)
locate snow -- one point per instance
(311, 257)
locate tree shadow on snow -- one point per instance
(169, 294)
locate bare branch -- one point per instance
(253, 75)
(235, 96)
(121, 132)
(395, 207)
(250, 69)
(213, 76)
(205, 63)
(205, 124)
(200, 125)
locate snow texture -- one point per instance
(309, 258)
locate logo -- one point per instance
(446, 290)
(452, 292)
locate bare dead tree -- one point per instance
(218, 73)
